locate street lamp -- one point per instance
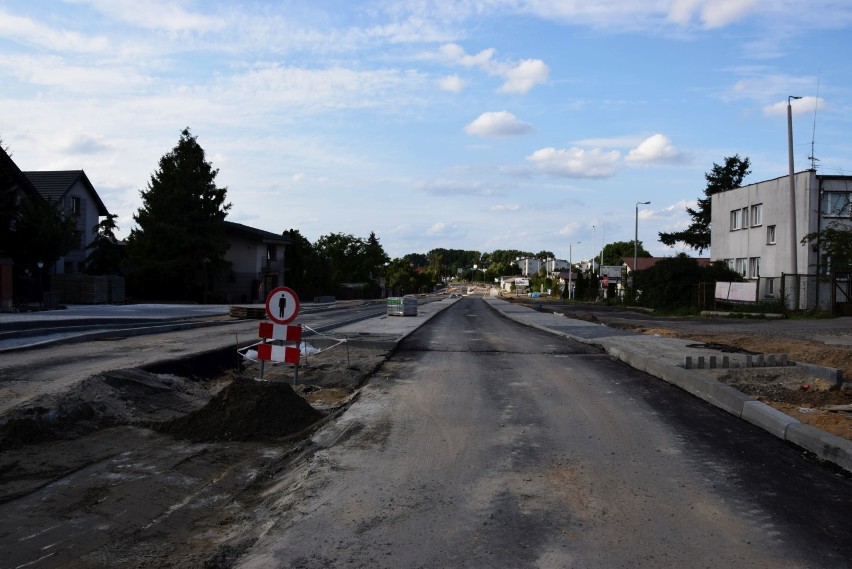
(636, 244)
(793, 261)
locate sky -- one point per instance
(535, 125)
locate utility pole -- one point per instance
(794, 265)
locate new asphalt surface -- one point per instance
(676, 361)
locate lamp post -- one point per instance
(793, 260)
(636, 244)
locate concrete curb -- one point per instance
(825, 446)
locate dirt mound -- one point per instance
(245, 410)
(108, 399)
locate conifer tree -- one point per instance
(177, 251)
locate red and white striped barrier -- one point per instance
(271, 352)
(286, 332)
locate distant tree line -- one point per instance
(177, 249)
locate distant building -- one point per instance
(74, 195)
(643, 263)
(257, 263)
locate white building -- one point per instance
(529, 266)
(752, 231)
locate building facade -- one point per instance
(755, 232)
(71, 192)
(257, 263)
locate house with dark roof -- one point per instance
(257, 263)
(74, 195)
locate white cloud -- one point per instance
(576, 162)
(798, 106)
(80, 143)
(505, 207)
(769, 86)
(456, 55)
(452, 83)
(56, 72)
(26, 31)
(655, 149)
(499, 123)
(524, 76)
(436, 228)
(168, 15)
(569, 229)
(720, 13)
(519, 78)
(443, 187)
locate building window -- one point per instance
(837, 204)
(757, 215)
(770, 286)
(736, 219)
(754, 267)
(271, 252)
(770, 235)
(741, 266)
(75, 206)
(729, 263)
(745, 217)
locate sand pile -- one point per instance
(245, 410)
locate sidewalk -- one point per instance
(665, 358)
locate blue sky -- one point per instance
(465, 124)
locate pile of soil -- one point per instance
(245, 410)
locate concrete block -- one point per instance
(824, 445)
(767, 418)
(760, 360)
(700, 362)
(688, 363)
(770, 360)
(833, 375)
(726, 362)
(748, 360)
(712, 362)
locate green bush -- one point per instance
(672, 284)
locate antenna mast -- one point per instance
(813, 158)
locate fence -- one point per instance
(807, 292)
(87, 289)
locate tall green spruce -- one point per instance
(719, 179)
(177, 251)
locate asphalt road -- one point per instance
(482, 443)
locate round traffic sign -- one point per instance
(282, 305)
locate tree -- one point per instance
(614, 252)
(42, 234)
(834, 244)
(672, 283)
(178, 249)
(106, 254)
(401, 277)
(719, 179)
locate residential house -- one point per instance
(73, 194)
(755, 232)
(18, 187)
(257, 263)
(643, 263)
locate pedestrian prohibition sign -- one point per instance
(282, 305)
